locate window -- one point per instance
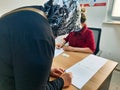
(115, 10)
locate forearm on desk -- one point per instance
(86, 50)
(77, 49)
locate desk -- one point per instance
(100, 81)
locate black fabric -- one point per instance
(26, 52)
(55, 83)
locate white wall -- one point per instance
(7, 5)
(95, 16)
(110, 37)
(110, 41)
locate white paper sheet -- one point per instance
(85, 69)
(58, 51)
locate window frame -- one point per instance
(110, 16)
(114, 17)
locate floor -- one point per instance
(115, 81)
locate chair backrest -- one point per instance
(97, 35)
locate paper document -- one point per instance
(58, 51)
(85, 69)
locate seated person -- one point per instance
(81, 40)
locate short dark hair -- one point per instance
(83, 18)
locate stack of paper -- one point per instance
(85, 69)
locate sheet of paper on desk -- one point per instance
(58, 51)
(85, 69)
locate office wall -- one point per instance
(110, 41)
(110, 37)
(7, 5)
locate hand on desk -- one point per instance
(58, 46)
(59, 72)
(68, 48)
(56, 72)
(67, 77)
(65, 48)
(61, 44)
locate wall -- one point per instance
(110, 37)
(7, 5)
(95, 16)
(110, 41)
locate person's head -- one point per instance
(83, 17)
(82, 20)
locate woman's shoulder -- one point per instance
(89, 30)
